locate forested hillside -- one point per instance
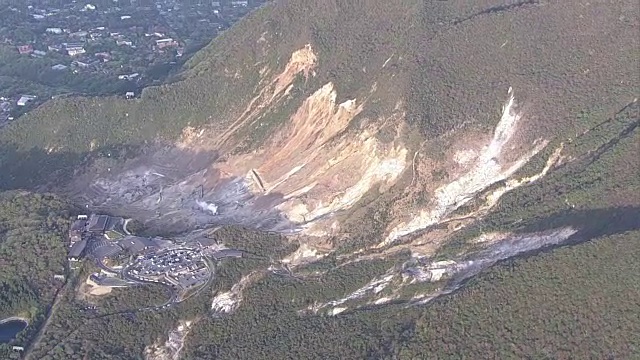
(362, 155)
(33, 248)
(574, 302)
(445, 80)
(547, 305)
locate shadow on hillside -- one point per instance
(171, 190)
(36, 168)
(591, 224)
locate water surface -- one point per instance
(9, 330)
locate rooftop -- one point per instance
(77, 249)
(227, 253)
(77, 225)
(207, 241)
(114, 223)
(97, 223)
(135, 244)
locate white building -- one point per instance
(59, 67)
(76, 51)
(24, 99)
(129, 76)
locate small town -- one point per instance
(52, 48)
(126, 260)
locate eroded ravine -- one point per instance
(313, 168)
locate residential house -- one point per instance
(105, 56)
(5, 106)
(128, 76)
(80, 64)
(71, 46)
(24, 99)
(25, 49)
(56, 31)
(164, 43)
(79, 34)
(76, 51)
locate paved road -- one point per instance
(210, 265)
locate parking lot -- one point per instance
(182, 268)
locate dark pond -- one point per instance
(10, 329)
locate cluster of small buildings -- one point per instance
(7, 105)
(182, 268)
(122, 39)
(147, 260)
(92, 230)
(122, 30)
(104, 236)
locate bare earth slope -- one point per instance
(287, 125)
(409, 122)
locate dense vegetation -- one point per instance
(546, 306)
(574, 302)
(32, 250)
(445, 86)
(555, 302)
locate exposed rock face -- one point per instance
(410, 115)
(317, 164)
(171, 348)
(449, 274)
(407, 110)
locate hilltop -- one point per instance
(317, 117)
(397, 148)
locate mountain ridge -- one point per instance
(398, 145)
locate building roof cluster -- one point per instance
(136, 244)
(77, 250)
(88, 233)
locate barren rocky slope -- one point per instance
(400, 113)
(367, 130)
